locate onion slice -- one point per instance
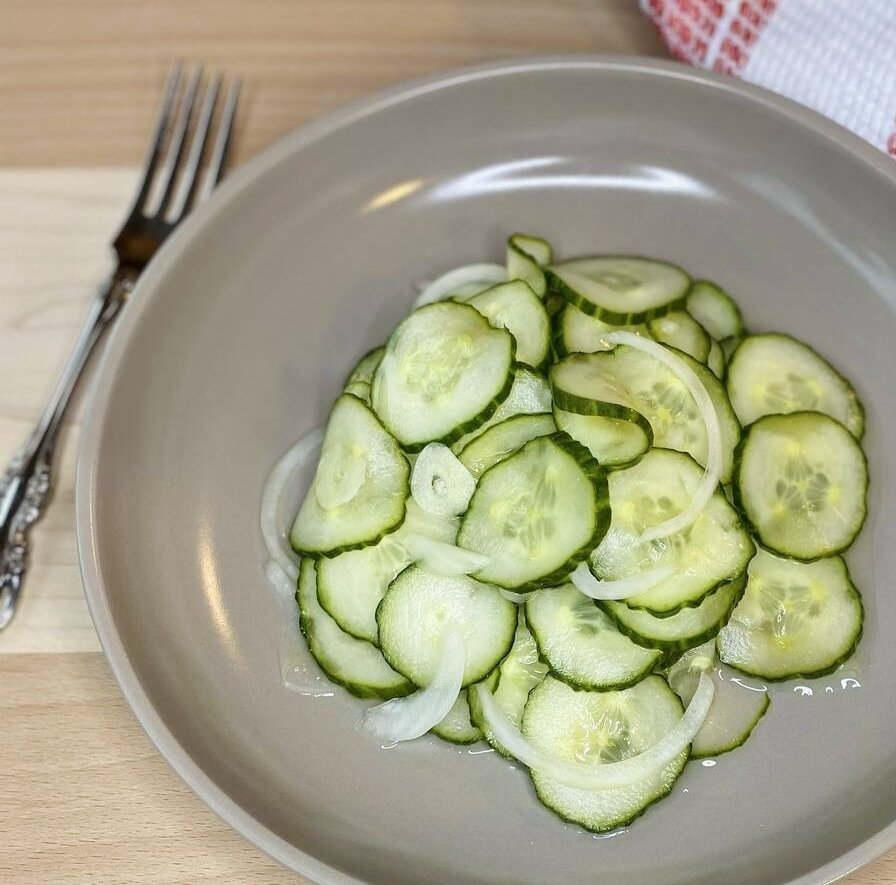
(403, 719)
(516, 598)
(440, 484)
(293, 460)
(599, 776)
(462, 280)
(441, 558)
(623, 588)
(713, 471)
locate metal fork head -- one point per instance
(187, 155)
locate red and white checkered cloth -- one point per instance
(836, 56)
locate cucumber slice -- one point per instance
(775, 375)
(715, 550)
(515, 306)
(614, 442)
(663, 400)
(585, 726)
(529, 395)
(515, 677)
(360, 487)
(351, 585)
(413, 614)
(361, 376)
(714, 309)
(580, 643)
(681, 331)
(729, 345)
(352, 663)
(537, 514)
(502, 439)
(445, 371)
(593, 407)
(440, 484)
(796, 619)
(456, 727)
(736, 708)
(716, 360)
(577, 332)
(684, 630)
(525, 257)
(801, 481)
(536, 248)
(620, 289)
(627, 384)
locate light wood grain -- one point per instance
(84, 797)
(79, 80)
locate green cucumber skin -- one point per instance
(739, 320)
(694, 602)
(598, 477)
(475, 738)
(676, 648)
(727, 748)
(477, 421)
(738, 502)
(691, 603)
(457, 742)
(860, 406)
(580, 405)
(558, 287)
(359, 373)
(359, 690)
(824, 671)
(585, 686)
(617, 826)
(582, 686)
(360, 545)
(479, 678)
(620, 824)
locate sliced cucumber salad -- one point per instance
(576, 510)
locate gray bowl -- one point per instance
(238, 338)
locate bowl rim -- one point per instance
(115, 351)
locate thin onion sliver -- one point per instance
(293, 460)
(403, 719)
(447, 284)
(623, 588)
(599, 776)
(713, 472)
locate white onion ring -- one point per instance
(403, 719)
(517, 598)
(713, 471)
(623, 588)
(294, 459)
(442, 558)
(599, 776)
(448, 283)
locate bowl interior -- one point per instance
(238, 340)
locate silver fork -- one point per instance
(183, 165)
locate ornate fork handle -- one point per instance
(27, 482)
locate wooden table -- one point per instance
(84, 797)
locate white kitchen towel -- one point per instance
(836, 56)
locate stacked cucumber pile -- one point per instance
(558, 502)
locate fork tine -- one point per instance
(172, 84)
(177, 141)
(190, 175)
(220, 149)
